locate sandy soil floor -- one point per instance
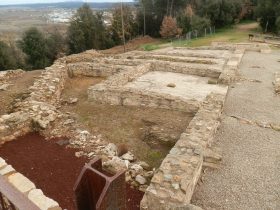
(143, 130)
(249, 176)
(19, 86)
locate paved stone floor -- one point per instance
(249, 177)
(187, 86)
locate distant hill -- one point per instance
(65, 5)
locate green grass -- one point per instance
(150, 47)
(229, 34)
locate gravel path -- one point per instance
(249, 176)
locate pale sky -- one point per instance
(4, 2)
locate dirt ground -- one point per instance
(50, 170)
(19, 86)
(148, 133)
(131, 45)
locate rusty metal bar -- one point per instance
(97, 190)
(16, 198)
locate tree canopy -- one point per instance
(269, 13)
(87, 31)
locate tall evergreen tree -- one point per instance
(87, 31)
(33, 44)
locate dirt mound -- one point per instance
(131, 45)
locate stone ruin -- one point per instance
(192, 80)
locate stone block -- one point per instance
(43, 202)
(7, 170)
(2, 163)
(21, 183)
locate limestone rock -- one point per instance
(171, 85)
(72, 100)
(140, 179)
(111, 149)
(128, 156)
(115, 165)
(4, 87)
(21, 183)
(144, 165)
(43, 202)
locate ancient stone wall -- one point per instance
(113, 91)
(202, 70)
(26, 187)
(89, 69)
(230, 71)
(174, 182)
(38, 109)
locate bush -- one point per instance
(33, 44)
(169, 28)
(200, 23)
(7, 59)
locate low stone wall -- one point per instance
(132, 97)
(89, 69)
(276, 82)
(202, 70)
(258, 47)
(26, 187)
(231, 67)
(182, 59)
(198, 52)
(174, 182)
(107, 66)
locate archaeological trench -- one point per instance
(153, 114)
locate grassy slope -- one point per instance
(237, 33)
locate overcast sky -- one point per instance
(4, 2)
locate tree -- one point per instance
(278, 25)
(7, 60)
(34, 46)
(268, 11)
(169, 28)
(130, 27)
(220, 12)
(87, 31)
(55, 45)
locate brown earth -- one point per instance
(131, 45)
(142, 129)
(47, 165)
(18, 88)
